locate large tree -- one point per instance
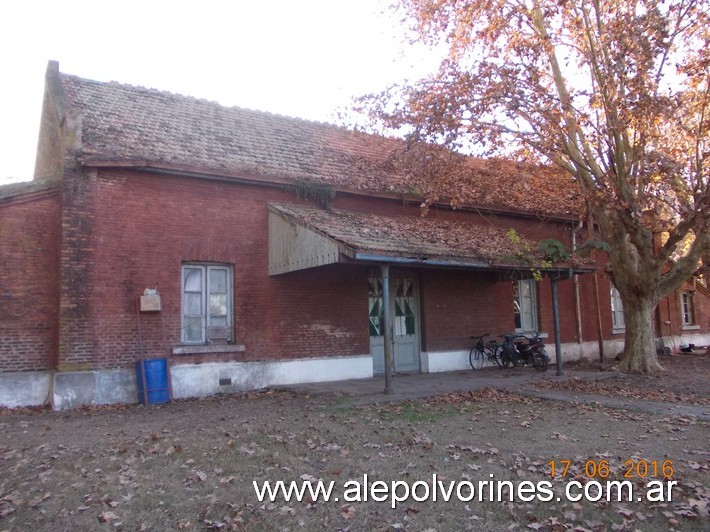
(615, 93)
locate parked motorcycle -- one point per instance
(527, 351)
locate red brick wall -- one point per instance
(702, 308)
(141, 228)
(146, 227)
(29, 250)
(134, 231)
(669, 319)
(457, 304)
(123, 232)
(76, 339)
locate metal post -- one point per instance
(556, 325)
(141, 349)
(387, 327)
(597, 305)
(575, 280)
(598, 312)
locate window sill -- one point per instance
(530, 334)
(202, 349)
(690, 327)
(618, 330)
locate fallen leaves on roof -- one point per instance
(423, 238)
(126, 123)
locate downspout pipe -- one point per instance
(556, 325)
(575, 280)
(387, 327)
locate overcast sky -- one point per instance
(303, 58)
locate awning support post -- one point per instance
(556, 324)
(387, 327)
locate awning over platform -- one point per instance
(302, 237)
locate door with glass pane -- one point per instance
(404, 327)
(525, 305)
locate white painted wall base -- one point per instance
(574, 351)
(687, 337)
(437, 361)
(27, 388)
(103, 387)
(199, 380)
(72, 389)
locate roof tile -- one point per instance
(127, 123)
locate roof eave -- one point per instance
(469, 263)
(219, 174)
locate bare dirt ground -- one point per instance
(190, 465)
(686, 380)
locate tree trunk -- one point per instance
(639, 354)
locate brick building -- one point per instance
(265, 238)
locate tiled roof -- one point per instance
(422, 239)
(25, 188)
(127, 123)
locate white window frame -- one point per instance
(527, 306)
(618, 321)
(205, 316)
(687, 309)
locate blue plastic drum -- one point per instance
(156, 381)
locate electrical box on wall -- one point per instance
(150, 301)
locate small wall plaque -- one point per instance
(150, 303)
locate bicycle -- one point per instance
(480, 352)
(530, 351)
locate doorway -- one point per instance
(404, 308)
